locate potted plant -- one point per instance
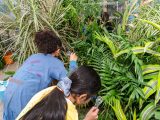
(8, 58)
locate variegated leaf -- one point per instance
(148, 111)
(148, 91)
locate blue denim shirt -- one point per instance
(35, 74)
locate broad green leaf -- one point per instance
(148, 111)
(148, 45)
(157, 98)
(125, 87)
(106, 40)
(157, 115)
(118, 110)
(151, 23)
(131, 98)
(134, 115)
(137, 50)
(150, 68)
(148, 91)
(140, 92)
(151, 75)
(121, 53)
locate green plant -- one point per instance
(1, 64)
(1, 61)
(122, 60)
(8, 74)
(141, 26)
(123, 76)
(29, 17)
(127, 61)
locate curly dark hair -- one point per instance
(47, 41)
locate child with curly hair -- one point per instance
(36, 73)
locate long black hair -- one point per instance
(52, 107)
(85, 80)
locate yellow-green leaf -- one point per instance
(106, 40)
(148, 91)
(151, 75)
(151, 23)
(134, 115)
(148, 45)
(137, 50)
(148, 111)
(157, 98)
(118, 110)
(150, 69)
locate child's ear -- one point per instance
(57, 52)
(83, 97)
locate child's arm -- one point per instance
(65, 82)
(73, 62)
(60, 73)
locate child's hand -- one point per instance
(73, 57)
(92, 114)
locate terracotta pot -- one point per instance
(8, 58)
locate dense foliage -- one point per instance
(127, 56)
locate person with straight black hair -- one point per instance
(51, 104)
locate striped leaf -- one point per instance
(151, 23)
(151, 75)
(148, 45)
(121, 53)
(138, 50)
(148, 91)
(125, 18)
(150, 69)
(118, 110)
(148, 111)
(157, 98)
(106, 40)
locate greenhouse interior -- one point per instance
(79, 59)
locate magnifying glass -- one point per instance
(68, 53)
(99, 100)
